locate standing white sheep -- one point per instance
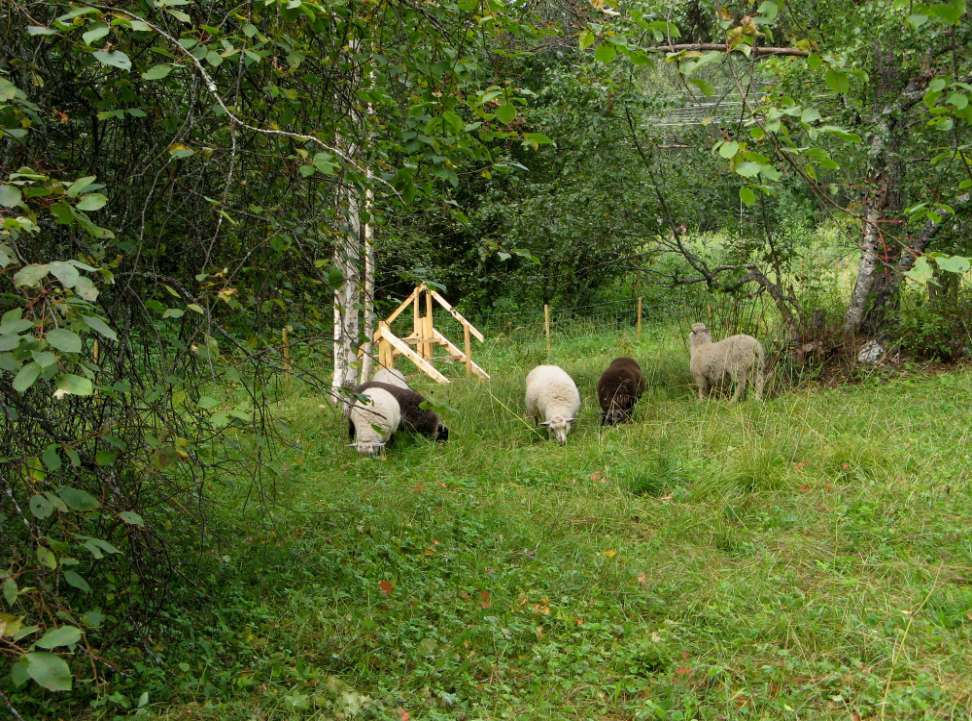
(392, 377)
(740, 357)
(552, 400)
(374, 418)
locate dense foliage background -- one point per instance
(182, 180)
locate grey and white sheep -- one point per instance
(618, 389)
(374, 417)
(738, 357)
(552, 400)
(391, 376)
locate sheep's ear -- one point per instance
(571, 420)
(545, 424)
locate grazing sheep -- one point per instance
(552, 400)
(740, 357)
(391, 376)
(414, 418)
(373, 420)
(619, 388)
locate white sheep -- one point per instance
(552, 400)
(391, 376)
(374, 418)
(740, 357)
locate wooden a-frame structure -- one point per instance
(425, 337)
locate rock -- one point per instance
(870, 353)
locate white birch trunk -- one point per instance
(347, 255)
(368, 287)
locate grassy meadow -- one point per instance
(808, 557)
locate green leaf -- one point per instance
(959, 100)
(60, 636)
(506, 112)
(809, 115)
(26, 377)
(453, 120)
(51, 458)
(49, 671)
(64, 340)
(325, 163)
(86, 289)
(606, 52)
(30, 275)
(80, 185)
(953, 263)
(40, 507)
(91, 202)
(837, 81)
(66, 273)
(132, 518)
(74, 580)
(46, 558)
(748, 169)
(728, 149)
(586, 39)
(157, 72)
(100, 327)
(747, 196)
(98, 31)
(115, 59)
(40, 30)
(69, 384)
(769, 10)
(10, 591)
(78, 500)
(93, 618)
(10, 196)
(921, 271)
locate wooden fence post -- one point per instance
(638, 324)
(546, 325)
(467, 342)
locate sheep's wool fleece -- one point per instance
(729, 355)
(392, 377)
(550, 392)
(377, 421)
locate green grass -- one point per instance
(809, 557)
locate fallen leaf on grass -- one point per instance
(386, 586)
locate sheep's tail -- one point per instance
(760, 379)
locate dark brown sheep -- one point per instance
(619, 388)
(414, 418)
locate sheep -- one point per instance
(618, 389)
(740, 357)
(391, 376)
(372, 420)
(552, 400)
(414, 418)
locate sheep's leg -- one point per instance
(740, 380)
(760, 383)
(703, 387)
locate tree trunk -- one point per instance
(347, 255)
(877, 283)
(368, 287)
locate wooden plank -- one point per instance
(398, 311)
(467, 343)
(638, 325)
(427, 326)
(459, 355)
(457, 315)
(416, 321)
(420, 362)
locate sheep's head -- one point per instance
(614, 414)
(369, 448)
(558, 426)
(699, 335)
(441, 433)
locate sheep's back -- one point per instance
(549, 387)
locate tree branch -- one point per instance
(754, 50)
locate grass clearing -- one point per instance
(809, 557)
